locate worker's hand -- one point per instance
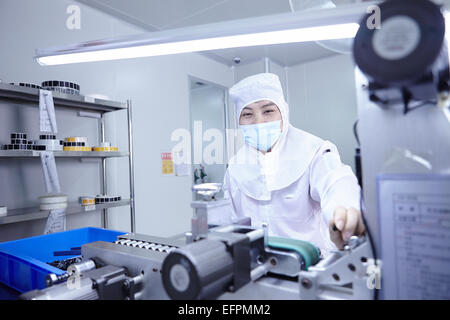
(344, 224)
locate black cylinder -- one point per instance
(408, 46)
(358, 166)
(200, 270)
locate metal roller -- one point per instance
(81, 267)
(200, 270)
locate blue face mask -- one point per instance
(262, 136)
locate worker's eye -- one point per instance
(247, 114)
(268, 111)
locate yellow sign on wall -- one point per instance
(167, 163)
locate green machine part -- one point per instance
(307, 250)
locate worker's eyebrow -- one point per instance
(247, 108)
(268, 104)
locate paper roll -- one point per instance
(53, 206)
(55, 198)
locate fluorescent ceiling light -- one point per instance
(340, 31)
(326, 24)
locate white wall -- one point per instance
(248, 69)
(322, 101)
(280, 71)
(158, 88)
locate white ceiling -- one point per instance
(154, 15)
(283, 54)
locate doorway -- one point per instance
(208, 121)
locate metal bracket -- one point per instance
(342, 275)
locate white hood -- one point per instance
(258, 174)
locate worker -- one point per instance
(286, 177)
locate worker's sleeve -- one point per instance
(228, 194)
(332, 183)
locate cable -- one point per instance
(355, 133)
(358, 168)
(361, 205)
(369, 235)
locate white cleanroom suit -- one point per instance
(295, 187)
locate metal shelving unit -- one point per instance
(24, 94)
(33, 213)
(61, 154)
(19, 95)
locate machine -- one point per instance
(402, 87)
(232, 261)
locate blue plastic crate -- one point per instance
(23, 263)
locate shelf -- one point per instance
(24, 94)
(62, 154)
(27, 214)
(19, 95)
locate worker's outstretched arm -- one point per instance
(334, 185)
